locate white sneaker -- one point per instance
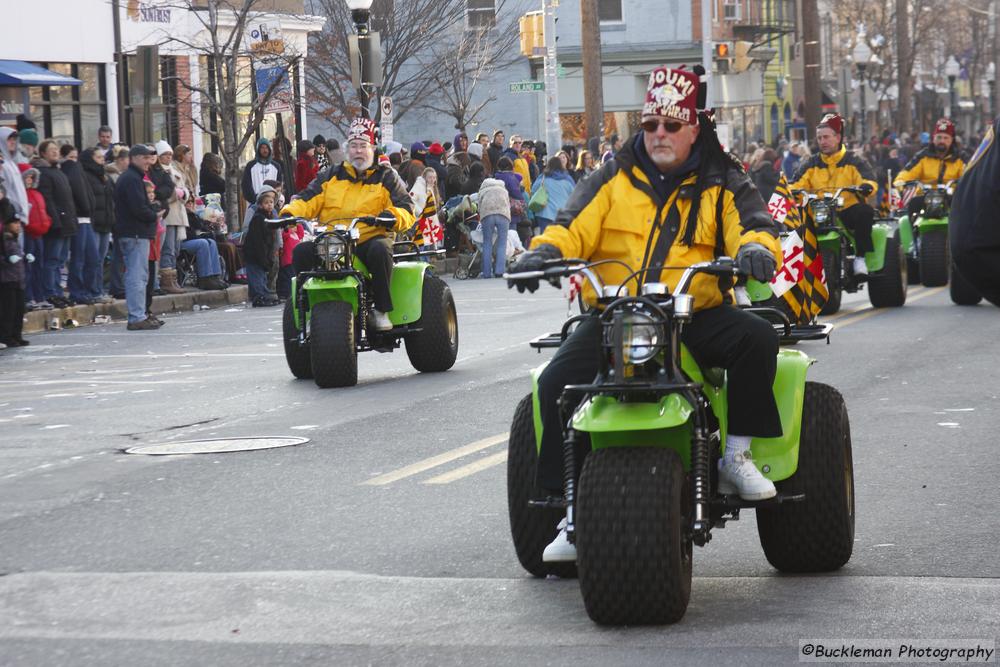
(381, 321)
(860, 268)
(43, 305)
(740, 476)
(560, 550)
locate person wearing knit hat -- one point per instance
(306, 166)
(631, 214)
(322, 155)
(940, 162)
(835, 167)
(28, 145)
(359, 187)
(262, 168)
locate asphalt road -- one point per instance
(384, 539)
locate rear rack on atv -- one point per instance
(802, 332)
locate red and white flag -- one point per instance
(778, 208)
(792, 267)
(431, 230)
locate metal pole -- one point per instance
(864, 109)
(706, 50)
(120, 71)
(812, 69)
(553, 131)
(951, 97)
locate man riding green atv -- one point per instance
(349, 295)
(633, 381)
(923, 231)
(836, 183)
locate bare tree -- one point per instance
(457, 70)
(228, 90)
(409, 31)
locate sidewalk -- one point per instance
(81, 316)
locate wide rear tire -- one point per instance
(434, 347)
(331, 345)
(832, 270)
(935, 261)
(962, 291)
(887, 288)
(815, 534)
(297, 356)
(531, 529)
(633, 556)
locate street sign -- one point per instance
(526, 87)
(385, 105)
(264, 41)
(387, 109)
(274, 79)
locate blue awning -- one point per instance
(20, 73)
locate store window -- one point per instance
(164, 123)
(609, 11)
(481, 13)
(71, 114)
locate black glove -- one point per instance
(383, 219)
(532, 260)
(866, 189)
(757, 261)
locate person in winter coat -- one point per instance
(461, 143)
(201, 243)
(211, 180)
(411, 169)
(496, 149)
(434, 155)
(478, 154)
(456, 174)
(494, 220)
(258, 250)
(291, 236)
(10, 175)
(306, 167)
(584, 165)
(520, 164)
(171, 194)
(427, 200)
(55, 188)
(559, 186)
(260, 169)
(764, 175)
(83, 258)
(102, 221)
(34, 242)
(136, 220)
(184, 163)
(12, 270)
(322, 154)
(477, 174)
(518, 203)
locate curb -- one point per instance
(38, 320)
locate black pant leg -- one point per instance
(913, 208)
(575, 362)
(377, 255)
(859, 219)
(747, 347)
(7, 312)
(150, 284)
(304, 257)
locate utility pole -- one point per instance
(904, 66)
(553, 131)
(813, 70)
(593, 76)
(995, 54)
(706, 49)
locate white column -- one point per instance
(111, 99)
(304, 131)
(197, 142)
(553, 131)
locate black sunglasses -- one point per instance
(651, 125)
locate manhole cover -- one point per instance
(216, 446)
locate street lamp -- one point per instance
(365, 52)
(991, 80)
(951, 70)
(861, 55)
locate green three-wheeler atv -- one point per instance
(653, 424)
(925, 238)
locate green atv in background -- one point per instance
(886, 277)
(925, 239)
(328, 318)
(652, 425)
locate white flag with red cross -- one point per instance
(778, 207)
(431, 230)
(792, 266)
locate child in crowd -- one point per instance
(290, 237)
(38, 225)
(12, 270)
(258, 250)
(155, 248)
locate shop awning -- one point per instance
(20, 73)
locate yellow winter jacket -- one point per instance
(616, 213)
(340, 192)
(930, 168)
(824, 174)
(521, 167)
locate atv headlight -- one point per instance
(821, 212)
(330, 249)
(642, 338)
(934, 200)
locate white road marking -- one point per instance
(434, 461)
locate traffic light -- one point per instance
(722, 50)
(741, 56)
(532, 26)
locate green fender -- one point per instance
(406, 288)
(906, 234)
(667, 422)
(875, 259)
(932, 224)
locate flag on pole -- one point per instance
(800, 281)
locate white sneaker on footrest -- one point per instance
(560, 550)
(741, 477)
(381, 321)
(860, 268)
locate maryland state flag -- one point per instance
(800, 281)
